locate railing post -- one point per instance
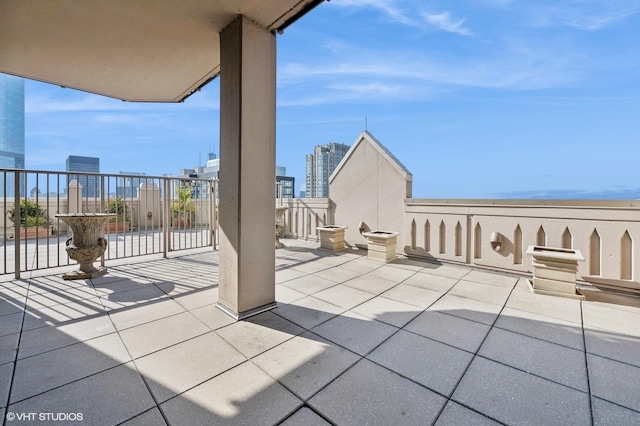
(16, 223)
(165, 218)
(212, 214)
(102, 209)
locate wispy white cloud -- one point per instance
(412, 14)
(388, 7)
(524, 70)
(445, 22)
(591, 15)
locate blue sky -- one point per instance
(478, 99)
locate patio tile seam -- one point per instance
(430, 289)
(388, 289)
(609, 331)
(475, 410)
(67, 322)
(126, 308)
(155, 407)
(439, 341)
(366, 291)
(15, 361)
(315, 292)
(80, 301)
(313, 409)
(445, 396)
(432, 271)
(501, 286)
(586, 361)
(284, 385)
(531, 373)
(534, 337)
(311, 396)
(542, 314)
(57, 291)
(12, 313)
(475, 355)
(142, 377)
(178, 296)
(77, 342)
(602, 398)
(476, 299)
(158, 404)
(70, 382)
(304, 330)
(13, 369)
(67, 302)
(613, 360)
(320, 323)
(202, 322)
(162, 348)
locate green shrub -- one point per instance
(31, 214)
(183, 206)
(119, 207)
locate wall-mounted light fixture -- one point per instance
(496, 241)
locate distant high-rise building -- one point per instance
(285, 184)
(11, 130)
(320, 165)
(127, 186)
(90, 184)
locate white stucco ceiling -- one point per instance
(135, 50)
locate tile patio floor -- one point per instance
(352, 342)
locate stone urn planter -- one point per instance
(280, 226)
(87, 242)
(381, 245)
(331, 237)
(554, 271)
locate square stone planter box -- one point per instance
(381, 245)
(554, 271)
(116, 227)
(33, 232)
(331, 237)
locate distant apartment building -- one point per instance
(127, 186)
(90, 184)
(11, 131)
(320, 165)
(285, 184)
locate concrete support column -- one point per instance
(247, 169)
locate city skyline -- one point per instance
(12, 132)
(478, 101)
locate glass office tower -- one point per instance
(11, 131)
(90, 184)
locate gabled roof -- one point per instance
(136, 50)
(366, 137)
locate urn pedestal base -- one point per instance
(87, 243)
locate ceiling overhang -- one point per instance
(134, 50)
